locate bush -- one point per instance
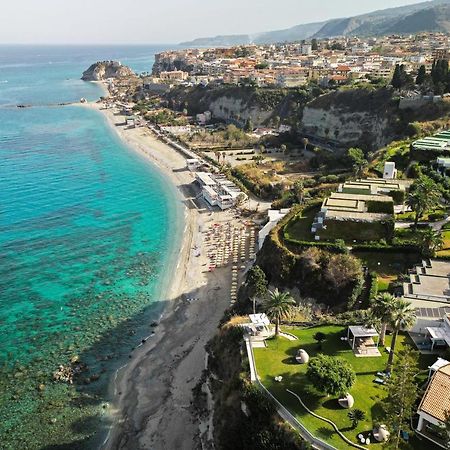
(330, 375)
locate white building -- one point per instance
(390, 172)
(275, 216)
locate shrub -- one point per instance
(330, 375)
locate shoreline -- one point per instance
(151, 395)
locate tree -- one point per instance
(217, 153)
(430, 242)
(358, 160)
(423, 196)
(248, 127)
(283, 148)
(421, 74)
(257, 284)
(356, 416)
(402, 392)
(299, 190)
(403, 317)
(400, 78)
(278, 307)
(319, 337)
(314, 44)
(380, 310)
(330, 374)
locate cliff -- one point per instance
(354, 117)
(240, 103)
(103, 70)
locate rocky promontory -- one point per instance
(102, 70)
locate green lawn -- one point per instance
(446, 247)
(387, 265)
(299, 228)
(277, 359)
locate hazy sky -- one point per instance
(163, 21)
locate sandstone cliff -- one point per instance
(103, 70)
(359, 117)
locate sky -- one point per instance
(163, 21)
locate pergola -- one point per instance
(359, 332)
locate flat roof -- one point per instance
(362, 331)
(434, 286)
(205, 178)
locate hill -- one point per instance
(426, 16)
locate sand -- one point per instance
(152, 402)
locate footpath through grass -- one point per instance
(278, 359)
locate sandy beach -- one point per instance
(152, 404)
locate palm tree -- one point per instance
(278, 307)
(380, 310)
(403, 317)
(356, 416)
(430, 242)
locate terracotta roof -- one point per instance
(436, 401)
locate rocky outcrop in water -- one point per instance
(103, 70)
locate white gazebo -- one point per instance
(361, 339)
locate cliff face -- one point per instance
(352, 118)
(239, 103)
(103, 70)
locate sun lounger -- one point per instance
(379, 381)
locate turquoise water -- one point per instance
(88, 228)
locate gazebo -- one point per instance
(361, 339)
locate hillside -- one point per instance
(426, 16)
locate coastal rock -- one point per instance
(102, 70)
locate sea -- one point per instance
(89, 233)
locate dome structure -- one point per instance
(302, 356)
(347, 402)
(381, 434)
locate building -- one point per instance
(443, 165)
(217, 190)
(275, 216)
(174, 75)
(374, 186)
(434, 408)
(441, 53)
(430, 283)
(390, 172)
(354, 216)
(432, 146)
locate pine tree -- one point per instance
(396, 80)
(421, 75)
(402, 394)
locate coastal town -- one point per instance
(239, 242)
(367, 241)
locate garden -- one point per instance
(278, 359)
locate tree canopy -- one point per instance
(402, 394)
(423, 196)
(278, 307)
(330, 374)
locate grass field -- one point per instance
(278, 359)
(445, 251)
(387, 265)
(299, 228)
